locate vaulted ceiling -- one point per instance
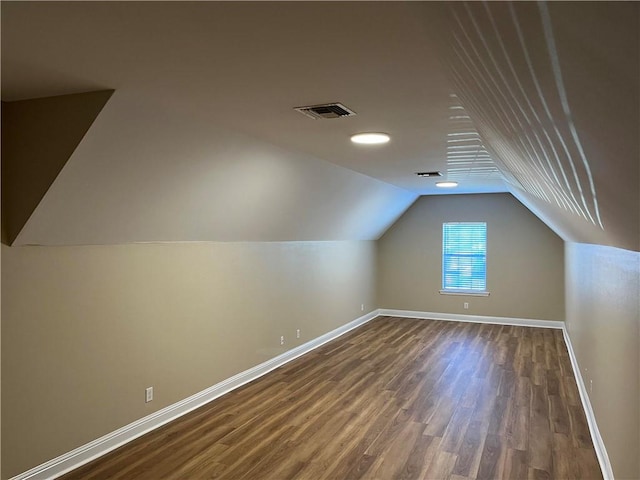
(190, 133)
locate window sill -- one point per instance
(470, 293)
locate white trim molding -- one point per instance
(103, 445)
(466, 293)
(598, 443)
(455, 317)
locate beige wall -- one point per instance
(603, 320)
(86, 329)
(525, 273)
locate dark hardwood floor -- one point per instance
(394, 399)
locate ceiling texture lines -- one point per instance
(530, 106)
(553, 54)
(537, 147)
(466, 155)
(570, 205)
(528, 147)
(515, 126)
(549, 118)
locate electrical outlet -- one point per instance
(362, 307)
(590, 386)
(148, 394)
(298, 333)
(282, 340)
(466, 305)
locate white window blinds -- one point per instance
(464, 256)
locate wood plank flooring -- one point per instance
(394, 399)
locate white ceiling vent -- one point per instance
(327, 110)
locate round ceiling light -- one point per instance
(370, 138)
(446, 184)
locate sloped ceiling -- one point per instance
(554, 92)
(147, 173)
(200, 140)
(38, 137)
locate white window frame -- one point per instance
(459, 291)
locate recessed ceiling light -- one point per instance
(446, 184)
(370, 138)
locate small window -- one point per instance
(464, 258)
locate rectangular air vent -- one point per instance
(429, 174)
(326, 110)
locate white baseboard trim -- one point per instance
(455, 317)
(103, 445)
(598, 443)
